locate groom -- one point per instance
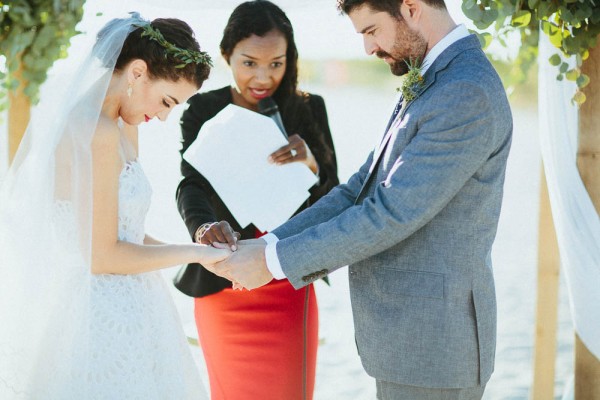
(416, 223)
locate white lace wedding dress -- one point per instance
(138, 348)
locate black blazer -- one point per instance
(198, 202)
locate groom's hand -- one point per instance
(218, 232)
(247, 267)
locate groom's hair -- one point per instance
(391, 7)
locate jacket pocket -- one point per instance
(411, 283)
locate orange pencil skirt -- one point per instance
(260, 344)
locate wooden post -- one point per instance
(19, 108)
(587, 366)
(547, 301)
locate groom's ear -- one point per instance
(411, 11)
(136, 69)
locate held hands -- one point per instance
(246, 267)
(241, 262)
(295, 151)
(208, 255)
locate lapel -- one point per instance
(440, 64)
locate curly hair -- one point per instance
(161, 64)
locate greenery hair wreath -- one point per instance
(183, 55)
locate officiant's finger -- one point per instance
(295, 151)
(223, 233)
(286, 152)
(281, 153)
(229, 235)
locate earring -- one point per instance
(129, 90)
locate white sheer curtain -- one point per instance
(576, 220)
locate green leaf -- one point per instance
(468, 4)
(554, 34)
(579, 98)
(572, 75)
(582, 81)
(490, 16)
(521, 18)
(555, 60)
(36, 32)
(585, 55)
(474, 13)
(485, 39)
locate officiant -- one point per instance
(258, 344)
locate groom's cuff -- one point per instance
(271, 258)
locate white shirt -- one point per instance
(460, 32)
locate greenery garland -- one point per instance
(184, 56)
(34, 34)
(572, 26)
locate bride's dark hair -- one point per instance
(162, 64)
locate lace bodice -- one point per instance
(134, 201)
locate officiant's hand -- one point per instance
(246, 267)
(218, 232)
(296, 151)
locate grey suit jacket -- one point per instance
(416, 225)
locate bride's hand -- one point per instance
(214, 254)
(208, 255)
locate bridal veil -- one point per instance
(45, 231)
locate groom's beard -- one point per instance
(397, 67)
(409, 47)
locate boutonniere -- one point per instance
(413, 81)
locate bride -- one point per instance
(84, 311)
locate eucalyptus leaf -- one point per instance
(582, 81)
(521, 18)
(572, 75)
(572, 26)
(34, 35)
(555, 60)
(468, 4)
(579, 98)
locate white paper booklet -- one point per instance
(231, 151)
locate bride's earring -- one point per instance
(129, 90)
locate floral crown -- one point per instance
(185, 56)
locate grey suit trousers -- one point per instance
(394, 391)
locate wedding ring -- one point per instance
(293, 152)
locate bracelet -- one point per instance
(202, 230)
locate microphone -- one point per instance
(268, 107)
